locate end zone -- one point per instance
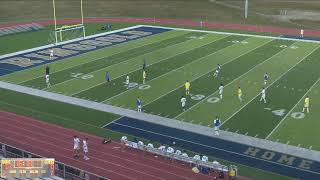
(38, 56)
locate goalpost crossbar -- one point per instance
(67, 27)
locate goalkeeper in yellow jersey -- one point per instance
(187, 87)
(240, 94)
(306, 104)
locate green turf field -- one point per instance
(176, 56)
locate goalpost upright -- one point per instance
(67, 27)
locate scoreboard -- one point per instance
(27, 167)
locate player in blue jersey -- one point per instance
(265, 78)
(217, 124)
(139, 104)
(107, 76)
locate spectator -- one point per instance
(232, 174)
(76, 146)
(85, 149)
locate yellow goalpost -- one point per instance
(58, 31)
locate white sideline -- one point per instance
(202, 130)
(292, 109)
(238, 34)
(270, 85)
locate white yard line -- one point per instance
(112, 121)
(93, 60)
(238, 34)
(198, 60)
(123, 62)
(209, 96)
(246, 52)
(149, 64)
(274, 129)
(270, 85)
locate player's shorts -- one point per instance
(85, 149)
(239, 95)
(263, 96)
(139, 107)
(76, 147)
(187, 89)
(220, 92)
(47, 80)
(183, 105)
(51, 55)
(216, 128)
(306, 106)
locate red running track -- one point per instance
(191, 23)
(109, 160)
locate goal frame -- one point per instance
(64, 28)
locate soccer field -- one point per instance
(175, 56)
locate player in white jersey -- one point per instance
(263, 95)
(127, 81)
(51, 54)
(76, 146)
(183, 103)
(85, 149)
(221, 90)
(48, 80)
(216, 73)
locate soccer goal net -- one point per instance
(68, 21)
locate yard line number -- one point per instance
(282, 112)
(141, 87)
(291, 47)
(81, 75)
(238, 42)
(199, 97)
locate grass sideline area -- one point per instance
(85, 120)
(178, 45)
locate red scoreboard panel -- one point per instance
(27, 167)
